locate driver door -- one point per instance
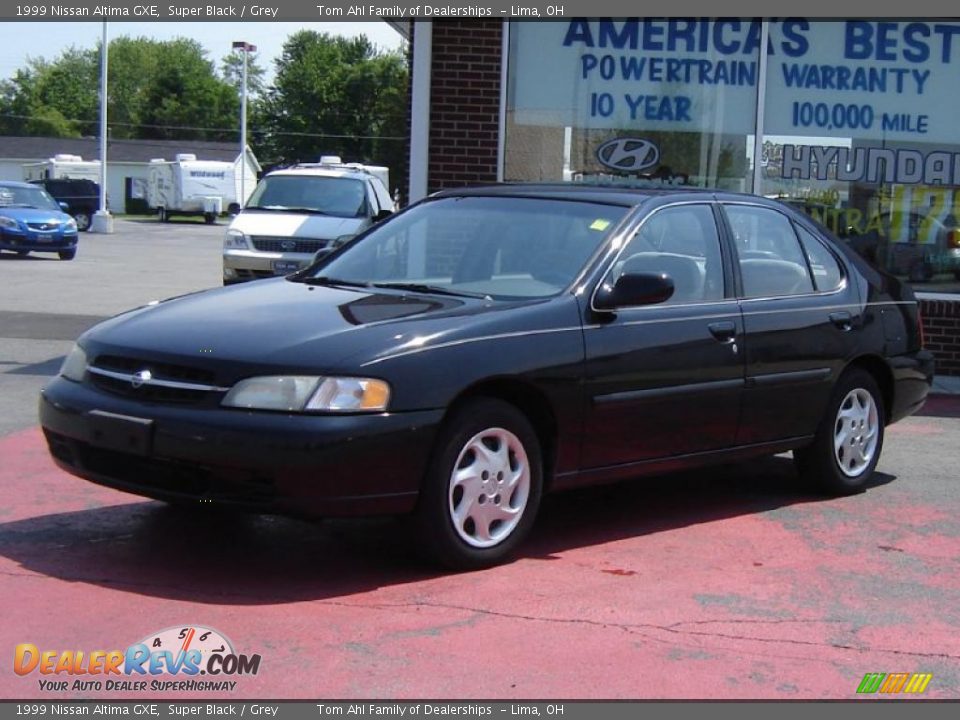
(667, 379)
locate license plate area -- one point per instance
(44, 237)
(285, 267)
(121, 433)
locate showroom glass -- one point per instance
(859, 120)
(771, 260)
(341, 197)
(497, 246)
(682, 242)
(31, 197)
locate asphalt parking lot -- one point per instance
(727, 583)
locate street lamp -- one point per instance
(246, 48)
(102, 221)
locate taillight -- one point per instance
(953, 239)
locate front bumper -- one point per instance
(241, 265)
(305, 465)
(36, 242)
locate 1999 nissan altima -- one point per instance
(487, 345)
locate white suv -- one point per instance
(295, 212)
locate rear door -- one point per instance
(665, 380)
(801, 318)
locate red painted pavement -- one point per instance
(732, 583)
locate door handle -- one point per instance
(725, 332)
(842, 320)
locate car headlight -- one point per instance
(74, 364)
(70, 226)
(235, 240)
(8, 223)
(299, 393)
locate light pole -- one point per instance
(102, 221)
(246, 48)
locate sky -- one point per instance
(20, 40)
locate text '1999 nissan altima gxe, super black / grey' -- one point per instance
(488, 345)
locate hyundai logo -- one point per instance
(288, 245)
(628, 154)
(141, 378)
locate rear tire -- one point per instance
(482, 490)
(209, 218)
(847, 446)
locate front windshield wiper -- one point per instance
(435, 289)
(324, 280)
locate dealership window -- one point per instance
(632, 100)
(859, 120)
(860, 131)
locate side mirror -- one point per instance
(634, 290)
(382, 215)
(64, 206)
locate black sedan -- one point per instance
(488, 345)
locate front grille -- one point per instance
(43, 227)
(267, 243)
(160, 371)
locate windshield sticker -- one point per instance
(600, 224)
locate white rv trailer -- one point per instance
(63, 166)
(187, 186)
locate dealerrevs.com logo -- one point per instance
(191, 658)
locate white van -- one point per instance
(297, 211)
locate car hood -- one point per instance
(282, 325)
(34, 215)
(282, 224)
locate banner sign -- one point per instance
(892, 81)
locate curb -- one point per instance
(945, 385)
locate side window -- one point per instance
(771, 261)
(683, 242)
(827, 275)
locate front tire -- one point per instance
(83, 220)
(847, 446)
(482, 489)
(67, 254)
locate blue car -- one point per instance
(32, 221)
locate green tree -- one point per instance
(155, 89)
(231, 70)
(334, 95)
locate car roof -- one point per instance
(323, 172)
(609, 194)
(16, 184)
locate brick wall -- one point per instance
(941, 330)
(464, 102)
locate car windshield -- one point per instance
(337, 196)
(28, 197)
(501, 247)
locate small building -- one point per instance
(128, 161)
